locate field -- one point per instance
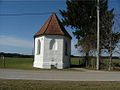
(17, 63)
(27, 63)
(57, 85)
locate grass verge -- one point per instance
(57, 85)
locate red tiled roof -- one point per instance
(53, 26)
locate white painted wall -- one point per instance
(38, 58)
(50, 57)
(53, 57)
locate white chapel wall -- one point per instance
(53, 56)
(38, 58)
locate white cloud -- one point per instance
(16, 42)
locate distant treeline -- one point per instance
(15, 55)
(103, 57)
(31, 56)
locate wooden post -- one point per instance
(4, 64)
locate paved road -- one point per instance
(59, 75)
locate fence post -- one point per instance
(4, 61)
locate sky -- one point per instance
(16, 32)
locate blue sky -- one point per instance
(16, 32)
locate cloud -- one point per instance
(16, 42)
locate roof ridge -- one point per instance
(61, 26)
(59, 23)
(48, 24)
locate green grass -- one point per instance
(17, 63)
(105, 62)
(57, 85)
(27, 63)
(75, 61)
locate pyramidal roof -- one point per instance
(53, 26)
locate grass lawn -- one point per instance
(57, 85)
(27, 63)
(24, 63)
(75, 61)
(17, 63)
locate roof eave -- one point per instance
(51, 34)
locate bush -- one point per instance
(116, 64)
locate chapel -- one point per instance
(52, 45)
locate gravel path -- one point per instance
(59, 75)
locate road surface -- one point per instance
(59, 75)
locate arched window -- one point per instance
(66, 48)
(38, 46)
(53, 44)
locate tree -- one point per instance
(109, 38)
(81, 15)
